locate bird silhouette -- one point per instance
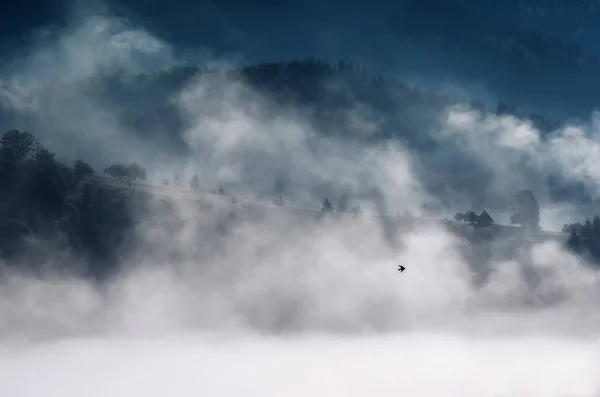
(401, 268)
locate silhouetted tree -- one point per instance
(119, 171)
(327, 207)
(596, 225)
(135, 171)
(471, 217)
(588, 239)
(44, 158)
(51, 181)
(584, 239)
(525, 210)
(16, 147)
(574, 241)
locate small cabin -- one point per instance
(484, 220)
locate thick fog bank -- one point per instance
(322, 313)
(416, 365)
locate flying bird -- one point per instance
(401, 268)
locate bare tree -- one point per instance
(327, 207)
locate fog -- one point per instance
(326, 315)
(285, 305)
(418, 364)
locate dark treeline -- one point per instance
(43, 200)
(47, 207)
(524, 211)
(405, 112)
(584, 238)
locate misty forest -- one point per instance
(49, 202)
(409, 188)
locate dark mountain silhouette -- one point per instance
(327, 95)
(516, 49)
(143, 101)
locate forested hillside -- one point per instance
(327, 92)
(44, 200)
(517, 49)
(342, 101)
(45, 211)
(51, 215)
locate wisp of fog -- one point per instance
(284, 305)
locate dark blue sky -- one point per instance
(283, 28)
(414, 38)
